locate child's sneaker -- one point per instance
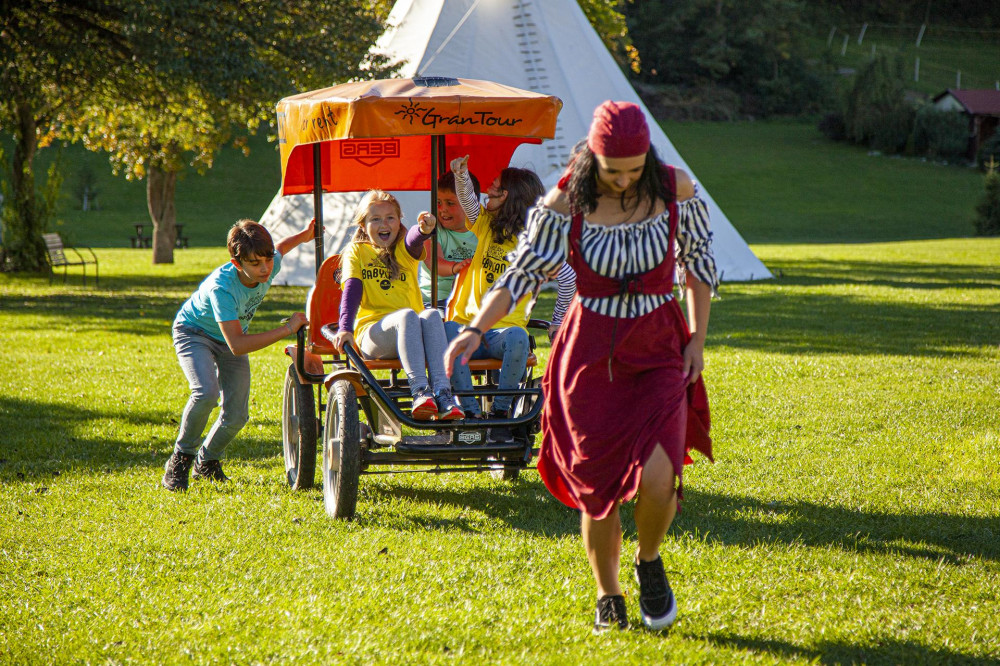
(448, 408)
(502, 433)
(175, 474)
(424, 408)
(611, 613)
(656, 599)
(209, 469)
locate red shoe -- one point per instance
(424, 407)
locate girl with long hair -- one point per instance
(381, 311)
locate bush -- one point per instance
(875, 111)
(987, 222)
(989, 149)
(941, 134)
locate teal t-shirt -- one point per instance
(456, 246)
(222, 297)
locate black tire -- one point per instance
(299, 431)
(341, 451)
(498, 471)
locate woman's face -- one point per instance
(382, 223)
(617, 175)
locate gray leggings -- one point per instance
(416, 340)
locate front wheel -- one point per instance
(341, 451)
(298, 431)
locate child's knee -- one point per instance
(205, 394)
(516, 341)
(432, 316)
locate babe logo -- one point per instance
(369, 151)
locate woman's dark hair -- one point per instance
(247, 238)
(582, 185)
(447, 182)
(523, 188)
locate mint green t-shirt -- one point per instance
(456, 246)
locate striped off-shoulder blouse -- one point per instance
(614, 252)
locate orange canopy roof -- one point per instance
(378, 133)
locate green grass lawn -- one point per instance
(851, 516)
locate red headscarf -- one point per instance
(619, 129)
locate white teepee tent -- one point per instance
(546, 46)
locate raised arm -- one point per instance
(289, 243)
(463, 188)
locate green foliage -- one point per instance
(753, 48)
(987, 222)
(161, 84)
(609, 22)
(876, 112)
(940, 134)
(989, 150)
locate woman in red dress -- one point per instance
(623, 393)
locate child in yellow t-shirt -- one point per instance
(381, 301)
(497, 225)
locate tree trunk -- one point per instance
(23, 223)
(160, 186)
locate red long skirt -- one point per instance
(599, 430)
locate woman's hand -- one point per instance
(462, 347)
(460, 164)
(694, 359)
(553, 329)
(427, 222)
(460, 266)
(342, 339)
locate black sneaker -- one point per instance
(656, 599)
(209, 469)
(502, 433)
(175, 475)
(611, 613)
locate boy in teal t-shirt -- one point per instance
(456, 245)
(212, 340)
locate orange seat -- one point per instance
(323, 307)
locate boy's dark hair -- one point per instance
(248, 238)
(447, 182)
(523, 188)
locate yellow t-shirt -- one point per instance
(488, 264)
(381, 296)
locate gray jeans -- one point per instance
(212, 370)
(417, 340)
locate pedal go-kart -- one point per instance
(396, 134)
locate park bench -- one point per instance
(57, 257)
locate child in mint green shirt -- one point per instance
(456, 245)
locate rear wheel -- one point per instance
(298, 431)
(341, 451)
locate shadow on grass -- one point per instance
(811, 321)
(41, 441)
(837, 653)
(524, 505)
(133, 311)
(745, 521)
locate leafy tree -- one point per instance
(52, 56)
(161, 84)
(876, 112)
(610, 24)
(752, 47)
